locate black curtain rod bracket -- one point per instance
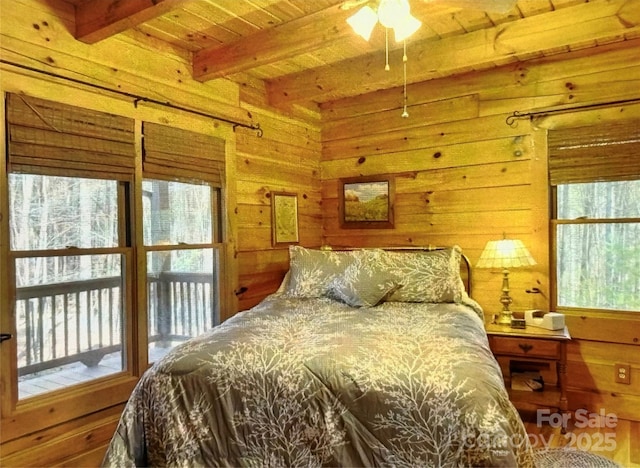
(137, 99)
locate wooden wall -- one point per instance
(285, 159)
(463, 176)
(38, 34)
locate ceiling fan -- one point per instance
(491, 6)
(396, 15)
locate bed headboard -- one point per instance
(465, 265)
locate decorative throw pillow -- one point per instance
(312, 270)
(362, 284)
(427, 276)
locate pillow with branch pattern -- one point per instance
(362, 284)
(311, 270)
(427, 276)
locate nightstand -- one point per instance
(532, 348)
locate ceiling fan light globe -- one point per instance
(406, 28)
(392, 12)
(363, 22)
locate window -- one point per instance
(597, 228)
(69, 182)
(595, 176)
(182, 221)
(182, 293)
(69, 306)
(81, 226)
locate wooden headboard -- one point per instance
(465, 265)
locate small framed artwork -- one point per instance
(366, 202)
(284, 218)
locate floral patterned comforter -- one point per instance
(314, 382)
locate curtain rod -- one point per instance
(137, 98)
(511, 119)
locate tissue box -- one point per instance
(540, 319)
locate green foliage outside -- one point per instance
(598, 245)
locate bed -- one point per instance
(362, 358)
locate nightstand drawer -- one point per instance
(525, 347)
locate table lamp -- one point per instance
(505, 254)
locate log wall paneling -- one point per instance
(40, 35)
(463, 176)
(37, 32)
(286, 158)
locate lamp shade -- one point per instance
(405, 28)
(391, 12)
(363, 22)
(505, 253)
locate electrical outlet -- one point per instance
(623, 373)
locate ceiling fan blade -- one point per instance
(491, 6)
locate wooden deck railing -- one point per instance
(81, 321)
(181, 305)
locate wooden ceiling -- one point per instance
(307, 54)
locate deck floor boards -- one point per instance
(76, 373)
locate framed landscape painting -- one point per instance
(366, 202)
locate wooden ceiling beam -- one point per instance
(600, 22)
(300, 36)
(97, 20)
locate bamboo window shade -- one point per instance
(47, 137)
(604, 152)
(173, 153)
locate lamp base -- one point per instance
(504, 318)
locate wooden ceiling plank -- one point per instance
(534, 7)
(312, 33)
(303, 35)
(472, 20)
(598, 21)
(497, 6)
(499, 18)
(167, 38)
(243, 18)
(557, 4)
(99, 19)
(188, 30)
(524, 37)
(286, 11)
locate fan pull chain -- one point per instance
(386, 50)
(405, 114)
